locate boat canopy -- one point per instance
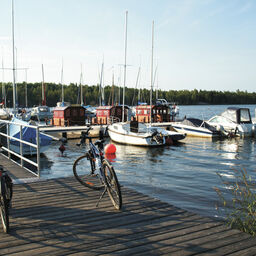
(197, 123)
(237, 115)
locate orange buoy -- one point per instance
(110, 149)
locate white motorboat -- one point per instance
(24, 114)
(127, 133)
(41, 113)
(4, 113)
(235, 121)
(196, 127)
(140, 134)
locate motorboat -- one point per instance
(197, 127)
(24, 114)
(235, 121)
(4, 113)
(41, 113)
(140, 134)
(28, 135)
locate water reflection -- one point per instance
(139, 154)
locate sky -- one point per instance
(198, 44)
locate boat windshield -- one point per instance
(230, 114)
(43, 109)
(245, 116)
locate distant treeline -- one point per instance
(113, 95)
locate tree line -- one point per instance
(114, 95)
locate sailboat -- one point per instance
(15, 125)
(43, 112)
(133, 132)
(4, 113)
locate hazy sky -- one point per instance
(198, 44)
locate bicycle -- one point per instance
(95, 172)
(5, 198)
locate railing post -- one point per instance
(38, 151)
(8, 139)
(21, 146)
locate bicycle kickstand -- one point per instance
(103, 193)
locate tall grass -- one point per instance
(239, 201)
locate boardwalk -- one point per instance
(59, 217)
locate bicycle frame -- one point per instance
(97, 154)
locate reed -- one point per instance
(238, 200)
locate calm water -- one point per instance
(183, 175)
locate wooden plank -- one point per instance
(59, 217)
(15, 171)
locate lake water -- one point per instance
(183, 175)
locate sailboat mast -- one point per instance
(3, 85)
(112, 90)
(13, 63)
(125, 54)
(43, 88)
(151, 89)
(61, 80)
(136, 86)
(100, 86)
(81, 87)
(26, 89)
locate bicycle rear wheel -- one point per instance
(4, 209)
(113, 186)
(84, 171)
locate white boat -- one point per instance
(24, 114)
(4, 113)
(126, 133)
(235, 121)
(41, 113)
(140, 134)
(196, 127)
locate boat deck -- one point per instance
(59, 217)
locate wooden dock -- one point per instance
(59, 217)
(72, 132)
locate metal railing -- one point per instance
(9, 145)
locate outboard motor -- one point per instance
(158, 138)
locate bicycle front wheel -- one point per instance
(4, 209)
(113, 186)
(84, 171)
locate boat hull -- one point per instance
(133, 139)
(194, 131)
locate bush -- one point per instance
(240, 210)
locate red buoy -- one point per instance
(110, 149)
